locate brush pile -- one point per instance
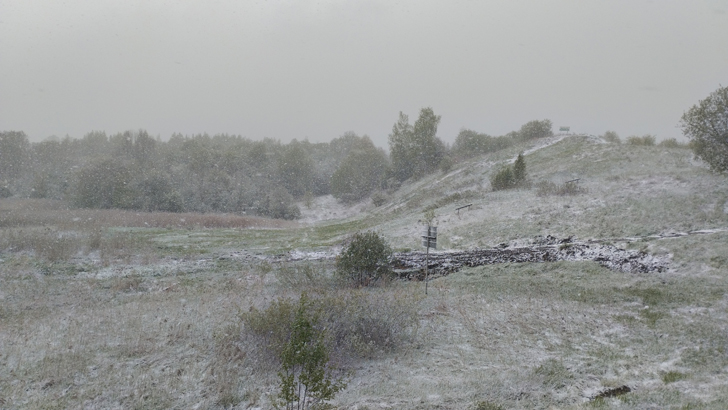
(411, 265)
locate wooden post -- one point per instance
(429, 239)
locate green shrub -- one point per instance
(363, 323)
(706, 125)
(553, 373)
(470, 143)
(535, 129)
(612, 137)
(672, 143)
(503, 179)
(673, 376)
(359, 323)
(487, 405)
(278, 203)
(446, 164)
(646, 140)
(511, 177)
(301, 275)
(270, 328)
(379, 198)
(365, 259)
(519, 170)
(305, 375)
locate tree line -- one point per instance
(228, 173)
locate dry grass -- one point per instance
(54, 233)
(46, 212)
(115, 343)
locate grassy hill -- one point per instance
(108, 309)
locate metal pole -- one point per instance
(427, 262)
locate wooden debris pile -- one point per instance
(411, 265)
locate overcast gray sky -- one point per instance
(316, 69)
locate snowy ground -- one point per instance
(327, 208)
(153, 330)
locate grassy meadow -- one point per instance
(132, 310)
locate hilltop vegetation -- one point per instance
(227, 173)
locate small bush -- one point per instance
(646, 140)
(365, 259)
(127, 284)
(511, 177)
(673, 376)
(470, 143)
(306, 376)
(279, 204)
(651, 316)
(5, 192)
(446, 164)
(547, 188)
(301, 275)
(612, 137)
(308, 199)
(270, 328)
(535, 129)
(47, 244)
(503, 179)
(553, 373)
(487, 405)
(379, 198)
(359, 325)
(672, 143)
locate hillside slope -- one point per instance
(632, 191)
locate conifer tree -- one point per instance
(519, 170)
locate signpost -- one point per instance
(429, 240)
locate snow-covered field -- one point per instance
(151, 318)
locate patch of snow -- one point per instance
(298, 255)
(543, 143)
(326, 208)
